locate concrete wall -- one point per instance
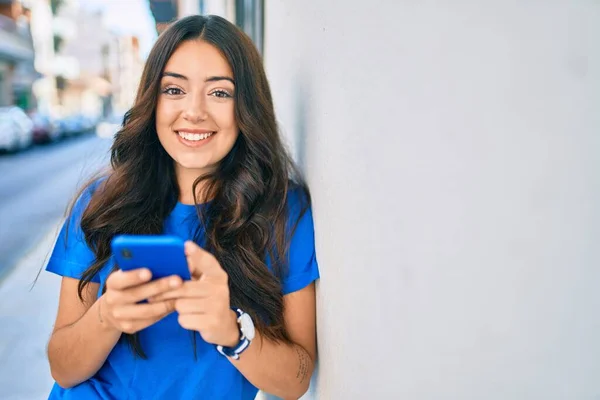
(454, 157)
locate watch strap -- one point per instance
(235, 351)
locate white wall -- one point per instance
(453, 152)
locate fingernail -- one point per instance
(174, 282)
(145, 274)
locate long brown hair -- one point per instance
(247, 220)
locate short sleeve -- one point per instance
(71, 255)
(303, 267)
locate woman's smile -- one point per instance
(195, 137)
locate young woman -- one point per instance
(199, 156)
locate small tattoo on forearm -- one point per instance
(303, 365)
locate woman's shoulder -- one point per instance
(86, 193)
(71, 255)
(303, 267)
(298, 205)
(298, 197)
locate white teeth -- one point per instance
(194, 136)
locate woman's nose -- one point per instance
(195, 111)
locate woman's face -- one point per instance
(195, 117)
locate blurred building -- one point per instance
(126, 72)
(17, 72)
(84, 57)
(247, 14)
(42, 33)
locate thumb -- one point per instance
(200, 261)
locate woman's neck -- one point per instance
(185, 181)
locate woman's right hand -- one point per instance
(120, 307)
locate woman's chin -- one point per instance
(193, 166)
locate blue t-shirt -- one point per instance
(170, 371)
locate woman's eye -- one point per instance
(172, 91)
(221, 94)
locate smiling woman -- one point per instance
(199, 156)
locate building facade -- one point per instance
(85, 55)
(42, 33)
(17, 72)
(126, 72)
(247, 14)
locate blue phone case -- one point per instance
(163, 255)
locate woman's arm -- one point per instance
(80, 342)
(280, 369)
(85, 333)
(203, 305)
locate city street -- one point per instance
(35, 188)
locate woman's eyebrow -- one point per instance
(219, 78)
(209, 79)
(174, 75)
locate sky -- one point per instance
(127, 17)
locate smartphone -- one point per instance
(162, 255)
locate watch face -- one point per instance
(247, 326)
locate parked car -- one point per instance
(88, 123)
(110, 126)
(10, 136)
(23, 125)
(68, 126)
(45, 129)
(76, 124)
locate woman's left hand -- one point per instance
(203, 302)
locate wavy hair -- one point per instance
(247, 220)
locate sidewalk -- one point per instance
(26, 318)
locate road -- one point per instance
(36, 187)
